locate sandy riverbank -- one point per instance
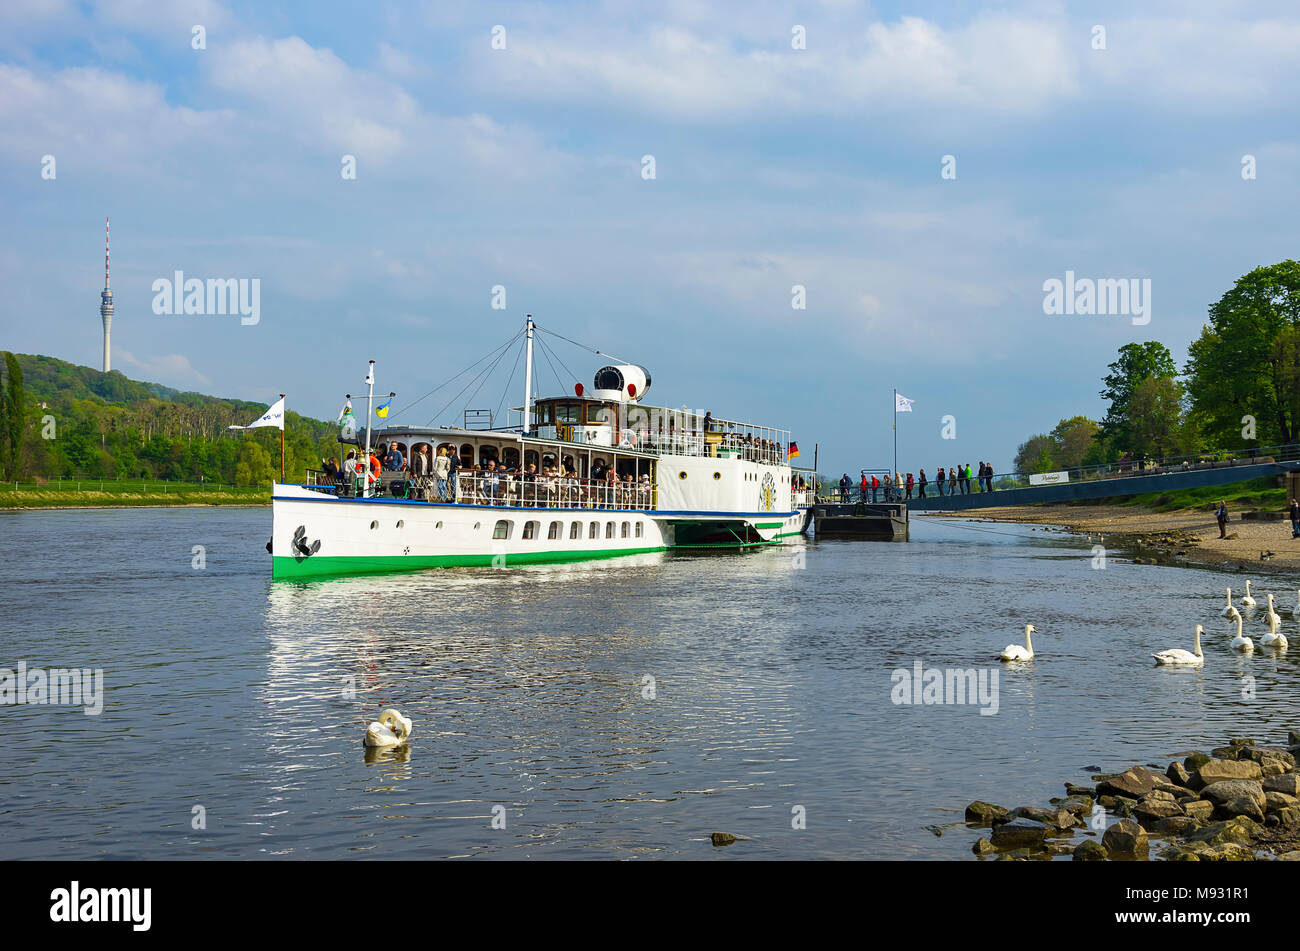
(1186, 536)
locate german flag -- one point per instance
(792, 452)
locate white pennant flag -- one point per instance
(370, 374)
(272, 417)
(902, 404)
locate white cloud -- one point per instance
(172, 369)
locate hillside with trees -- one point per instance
(62, 421)
(1240, 387)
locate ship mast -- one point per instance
(528, 377)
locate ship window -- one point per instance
(609, 529)
(510, 456)
(530, 529)
(638, 529)
(626, 530)
(439, 525)
(374, 525)
(595, 530)
(575, 530)
(609, 378)
(570, 413)
(597, 414)
(467, 455)
(476, 525)
(681, 475)
(554, 530)
(502, 529)
(401, 523)
(487, 453)
(717, 475)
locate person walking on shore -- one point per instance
(952, 480)
(909, 485)
(938, 480)
(1221, 516)
(1295, 519)
(920, 484)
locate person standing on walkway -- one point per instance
(862, 493)
(1221, 516)
(920, 484)
(844, 488)
(952, 480)
(875, 489)
(938, 480)
(1295, 519)
(965, 479)
(909, 485)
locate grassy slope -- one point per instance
(1254, 494)
(127, 494)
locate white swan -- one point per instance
(1274, 638)
(1233, 615)
(1271, 617)
(1177, 657)
(391, 729)
(1240, 643)
(1246, 599)
(1016, 652)
(1227, 611)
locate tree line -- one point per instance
(1240, 386)
(62, 421)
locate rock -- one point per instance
(1134, 783)
(1289, 856)
(1288, 783)
(986, 813)
(1194, 761)
(1175, 826)
(722, 838)
(1239, 829)
(1200, 809)
(1261, 754)
(1019, 833)
(1272, 767)
(983, 847)
(1227, 852)
(1220, 770)
(1077, 805)
(1152, 809)
(1275, 801)
(1071, 789)
(1241, 806)
(1089, 851)
(1288, 818)
(1230, 789)
(1109, 803)
(1173, 790)
(1180, 853)
(1177, 774)
(1292, 738)
(1125, 837)
(1055, 818)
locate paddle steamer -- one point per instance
(595, 474)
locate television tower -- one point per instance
(106, 301)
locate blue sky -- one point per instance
(774, 167)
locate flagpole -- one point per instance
(284, 421)
(895, 430)
(370, 408)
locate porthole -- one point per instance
(439, 525)
(374, 525)
(401, 523)
(681, 475)
(717, 475)
(476, 525)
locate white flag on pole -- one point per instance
(370, 374)
(902, 404)
(272, 417)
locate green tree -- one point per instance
(1035, 454)
(1243, 364)
(15, 416)
(1135, 363)
(1072, 438)
(1155, 417)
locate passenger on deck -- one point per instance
(453, 475)
(844, 487)
(441, 467)
(394, 461)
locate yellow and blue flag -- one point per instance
(382, 410)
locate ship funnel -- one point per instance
(625, 382)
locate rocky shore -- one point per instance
(1239, 802)
(1185, 537)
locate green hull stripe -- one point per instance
(768, 524)
(284, 566)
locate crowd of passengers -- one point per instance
(446, 478)
(747, 446)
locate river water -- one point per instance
(233, 707)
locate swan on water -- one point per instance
(1271, 617)
(1240, 643)
(1227, 611)
(1233, 615)
(1016, 652)
(1295, 611)
(391, 729)
(1177, 657)
(1246, 599)
(1274, 638)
